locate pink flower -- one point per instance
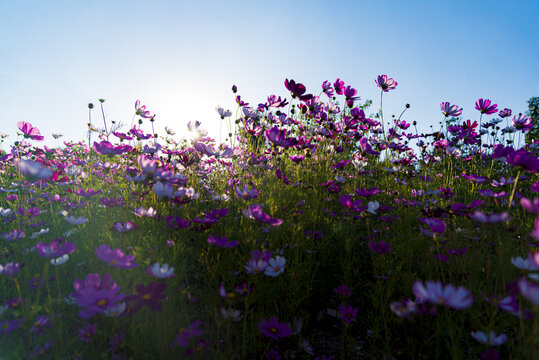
(29, 131)
(141, 110)
(385, 84)
(450, 110)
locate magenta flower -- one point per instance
(297, 90)
(57, 248)
(29, 131)
(186, 334)
(450, 110)
(141, 110)
(385, 84)
(342, 290)
(484, 106)
(434, 292)
(529, 205)
(273, 328)
(116, 257)
(489, 219)
(106, 148)
(246, 193)
(15, 234)
(221, 242)
(95, 295)
(149, 296)
(522, 122)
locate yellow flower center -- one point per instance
(147, 297)
(102, 302)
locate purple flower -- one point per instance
(141, 110)
(342, 290)
(434, 292)
(29, 131)
(297, 90)
(149, 296)
(41, 325)
(380, 247)
(489, 219)
(523, 160)
(87, 332)
(177, 222)
(221, 242)
(112, 202)
(437, 227)
(450, 110)
(247, 194)
(273, 328)
(186, 334)
(484, 106)
(505, 113)
(347, 313)
(529, 205)
(106, 148)
(87, 193)
(522, 122)
(16, 234)
(255, 212)
(95, 295)
(385, 84)
(10, 269)
(116, 257)
(57, 248)
(278, 137)
(124, 227)
(8, 326)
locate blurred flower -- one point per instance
(529, 290)
(57, 248)
(221, 242)
(186, 334)
(116, 257)
(124, 227)
(87, 332)
(490, 339)
(10, 269)
(95, 295)
(347, 313)
(149, 296)
(434, 292)
(161, 271)
(78, 221)
(275, 266)
(29, 131)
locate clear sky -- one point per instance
(180, 58)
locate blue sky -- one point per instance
(180, 58)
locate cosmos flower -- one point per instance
(484, 106)
(347, 313)
(489, 338)
(150, 296)
(450, 110)
(297, 90)
(116, 257)
(57, 248)
(255, 212)
(273, 328)
(436, 293)
(221, 242)
(385, 84)
(161, 271)
(95, 295)
(529, 290)
(524, 160)
(275, 266)
(29, 131)
(87, 332)
(141, 110)
(124, 227)
(186, 334)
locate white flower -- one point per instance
(78, 221)
(339, 179)
(275, 266)
(3, 309)
(161, 272)
(373, 206)
(60, 260)
(5, 212)
(68, 233)
(170, 131)
(39, 233)
(145, 212)
(231, 313)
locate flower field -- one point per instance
(312, 229)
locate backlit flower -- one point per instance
(385, 84)
(436, 293)
(29, 131)
(484, 106)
